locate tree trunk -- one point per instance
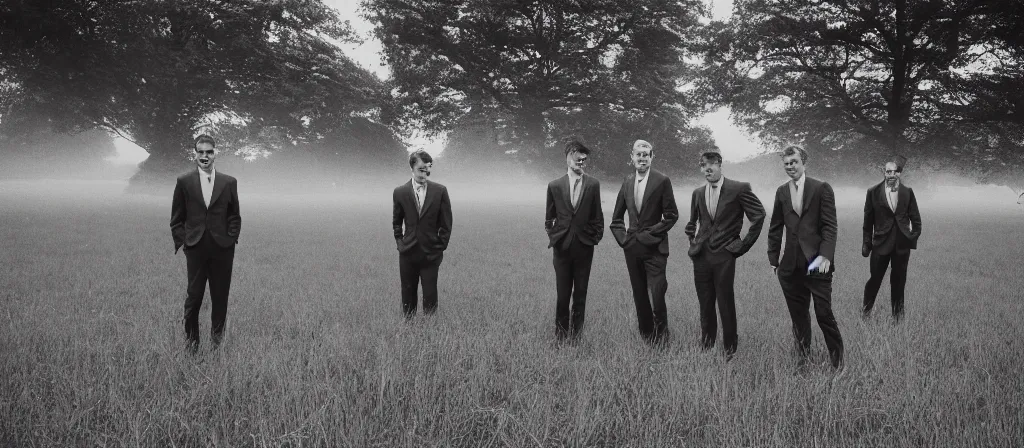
(158, 172)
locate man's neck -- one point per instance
(419, 184)
(717, 182)
(642, 175)
(573, 174)
(207, 172)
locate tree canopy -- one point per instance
(537, 70)
(158, 72)
(932, 79)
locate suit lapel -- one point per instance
(567, 191)
(411, 196)
(883, 200)
(218, 187)
(805, 203)
(652, 182)
(428, 198)
(902, 197)
(787, 197)
(197, 189)
(583, 191)
(631, 193)
(703, 201)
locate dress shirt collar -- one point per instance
(644, 179)
(717, 183)
(888, 188)
(416, 185)
(573, 176)
(202, 174)
(800, 181)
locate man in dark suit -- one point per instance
(647, 195)
(892, 224)
(206, 221)
(805, 209)
(719, 207)
(425, 211)
(575, 224)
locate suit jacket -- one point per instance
(563, 222)
(886, 230)
(429, 229)
(191, 218)
(723, 231)
(648, 226)
(809, 234)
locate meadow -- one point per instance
(317, 353)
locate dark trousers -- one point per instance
(207, 262)
(713, 276)
(647, 277)
(799, 289)
(413, 267)
(572, 275)
(897, 280)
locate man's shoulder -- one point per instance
(591, 180)
(735, 184)
(187, 175)
(554, 182)
(432, 184)
(227, 177)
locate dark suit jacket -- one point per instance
(431, 228)
(811, 233)
(648, 226)
(880, 222)
(735, 200)
(190, 217)
(585, 222)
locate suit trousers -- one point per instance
(713, 276)
(207, 262)
(572, 275)
(646, 268)
(799, 290)
(414, 267)
(897, 280)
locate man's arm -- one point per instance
(550, 212)
(691, 225)
(869, 224)
(595, 225)
(829, 224)
(669, 212)
(775, 228)
(178, 215)
(397, 216)
(618, 225)
(755, 214)
(915, 217)
(444, 220)
(234, 214)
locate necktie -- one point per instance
(713, 200)
(419, 202)
(797, 199)
(639, 193)
(576, 192)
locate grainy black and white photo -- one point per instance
(523, 223)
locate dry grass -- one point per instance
(317, 354)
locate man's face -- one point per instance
(642, 157)
(421, 171)
(891, 174)
(576, 161)
(711, 169)
(205, 155)
(794, 166)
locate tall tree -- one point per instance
(158, 72)
(923, 78)
(526, 63)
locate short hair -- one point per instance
(204, 139)
(421, 155)
(712, 155)
(575, 146)
(795, 149)
(641, 144)
(899, 168)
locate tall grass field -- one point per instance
(318, 354)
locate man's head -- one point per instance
(205, 152)
(893, 171)
(794, 159)
(642, 155)
(711, 164)
(420, 162)
(576, 155)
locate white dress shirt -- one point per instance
(420, 191)
(892, 196)
(574, 188)
(712, 193)
(796, 190)
(206, 181)
(639, 188)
